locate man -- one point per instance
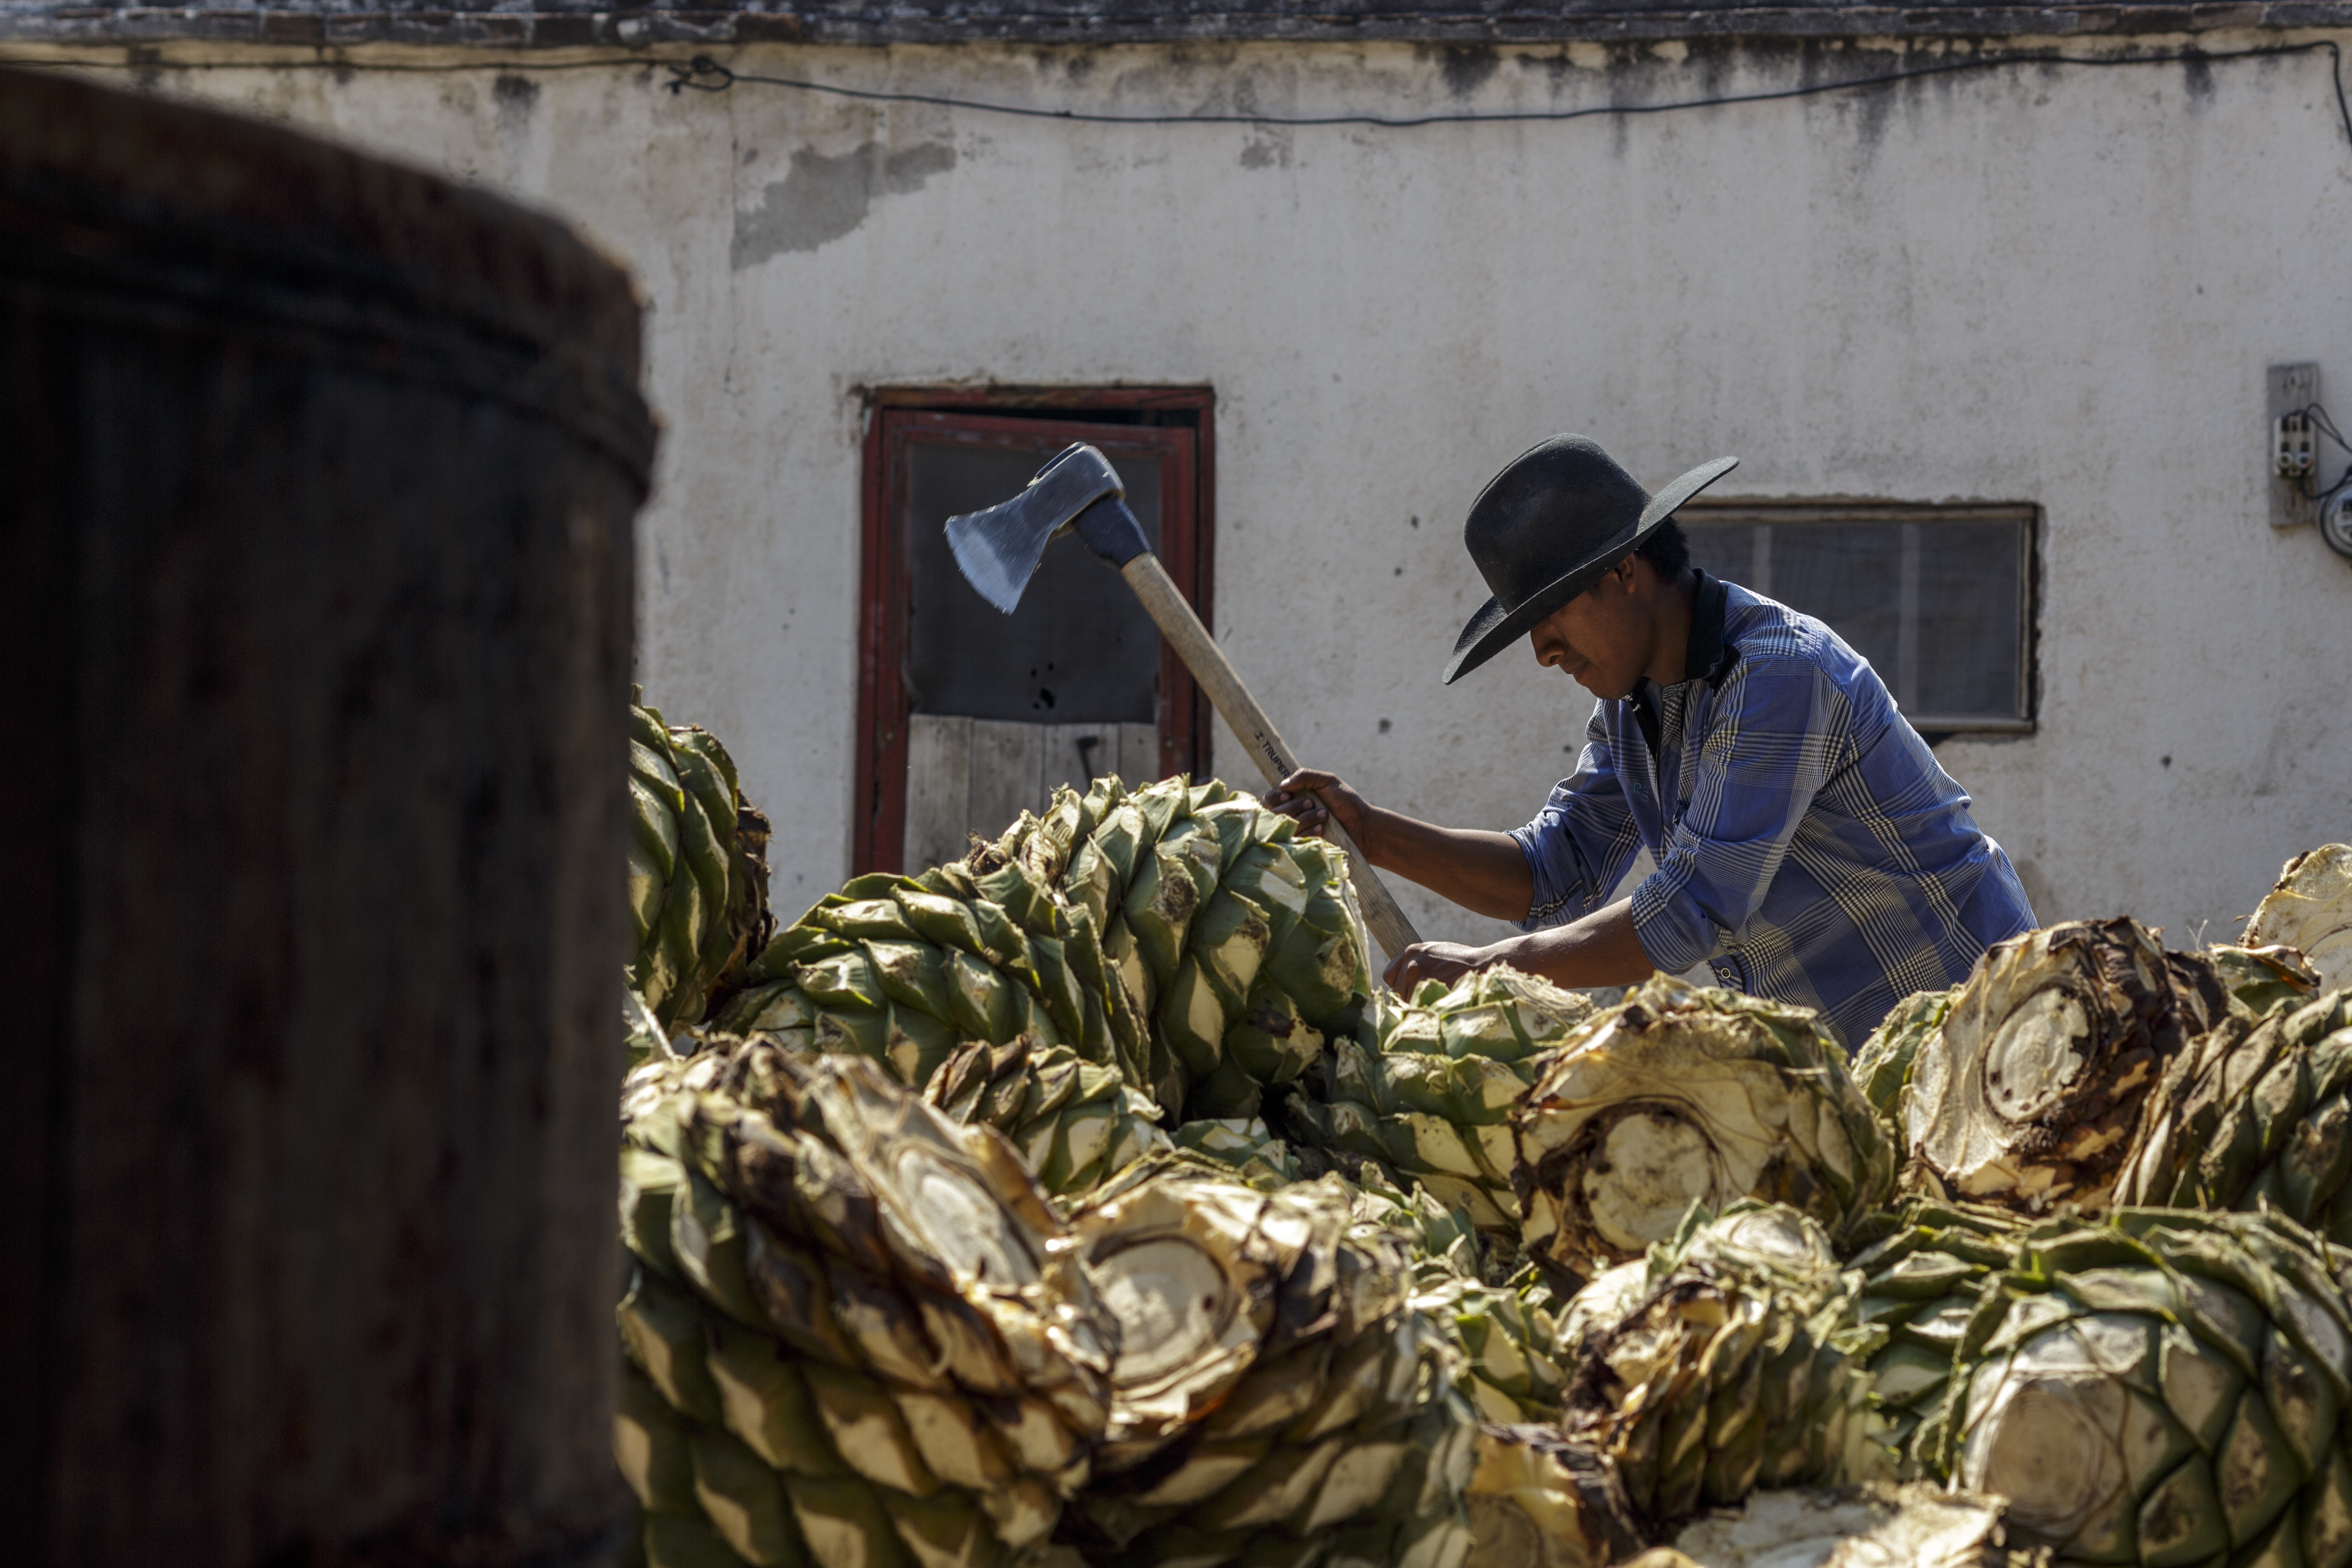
(1809, 848)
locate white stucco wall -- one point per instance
(2041, 285)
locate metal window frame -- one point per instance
(1716, 512)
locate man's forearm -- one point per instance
(1601, 949)
(1476, 868)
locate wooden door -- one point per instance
(969, 716)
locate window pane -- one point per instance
(1078, 650)
(1946, 631)
(1969, 600)
(1849, 574)
(1724, 550)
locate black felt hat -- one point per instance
(1548, 526)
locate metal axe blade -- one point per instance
(998, 550)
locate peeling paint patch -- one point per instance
(824, 198)
(1266, 151)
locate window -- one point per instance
(967, 717)
(1940, 599)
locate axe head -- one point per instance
(998, 550)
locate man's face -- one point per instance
(1599, 639)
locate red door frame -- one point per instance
(900, 418)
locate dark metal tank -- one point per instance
(317, 480)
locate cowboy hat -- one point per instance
(1548, 526)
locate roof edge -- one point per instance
(550, 24)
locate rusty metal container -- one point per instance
(317, 480)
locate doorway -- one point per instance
(968, 717)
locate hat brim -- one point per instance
(1494, 628)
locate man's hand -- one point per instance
(1601, 949)
(1446, 962)
(1477, 869)
(1296, 797)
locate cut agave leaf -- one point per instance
(763, 1394)
(665, 1333)
(2266, 979)
(744, 1500)
(2310, 910)
(674, 1541)
(651, 1444)
(1875, 1524)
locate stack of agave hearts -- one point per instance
(857, 1333)
(1079, 1204)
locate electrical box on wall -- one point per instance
(2335, 523)
(2294, 445)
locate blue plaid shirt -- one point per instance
(1809, 846)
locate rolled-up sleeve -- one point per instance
(1580, 843)
(1775, 732)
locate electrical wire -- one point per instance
(339, 64)
(2319, 416)
(692, 76)
(704, 74)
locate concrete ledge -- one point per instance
(553, 23)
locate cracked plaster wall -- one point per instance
(2039, 285)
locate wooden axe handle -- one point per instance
(1207, 662)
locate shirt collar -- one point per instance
(1707, 656)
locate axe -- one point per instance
(998, 550)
